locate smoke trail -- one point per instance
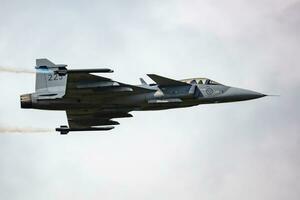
(15, 70)
(23, 130)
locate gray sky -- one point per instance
(247, 150)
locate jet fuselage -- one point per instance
(91, 101)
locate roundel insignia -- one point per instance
(209, 91)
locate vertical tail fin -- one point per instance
(43, 62)
(47, 81)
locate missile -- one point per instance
(65, 129)
(63, 71)
(101, 70)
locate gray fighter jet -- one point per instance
(91, 102)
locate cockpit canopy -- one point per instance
(201, 81)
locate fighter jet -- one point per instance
(91, 101)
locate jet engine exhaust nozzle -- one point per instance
(26, 101)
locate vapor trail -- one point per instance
(15, 70)
(23, 130)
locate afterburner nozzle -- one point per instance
(26, 101)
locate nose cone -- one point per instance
(238, 94)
